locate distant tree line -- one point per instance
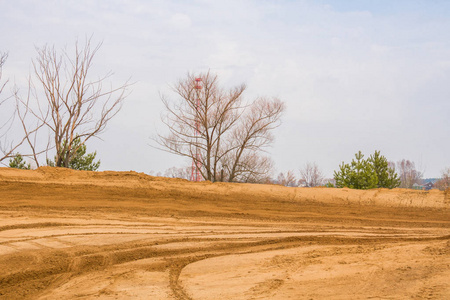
(374, 172)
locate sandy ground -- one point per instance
(68, 234)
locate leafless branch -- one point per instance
(7, 147)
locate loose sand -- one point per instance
(68, 234)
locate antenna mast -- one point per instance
(196, 161)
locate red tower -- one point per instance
(197, 160)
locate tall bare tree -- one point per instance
(311, 175)
(408, 173)
(72, 104)
(229, 133)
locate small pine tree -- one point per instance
(18, 163)
(362, 173)
(329, 185)
(342, 177)
(80, 160)
(84, 161)
(387, 178)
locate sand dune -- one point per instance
(68, 234)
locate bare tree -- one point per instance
(228, 134)
(311, 175)
(287, 179)
(71, 104)
(174, 172)
(408, 173)
(444, 182)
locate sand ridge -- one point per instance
(68, 234)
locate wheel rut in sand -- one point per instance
(77, 258)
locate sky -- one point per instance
(355, 75)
